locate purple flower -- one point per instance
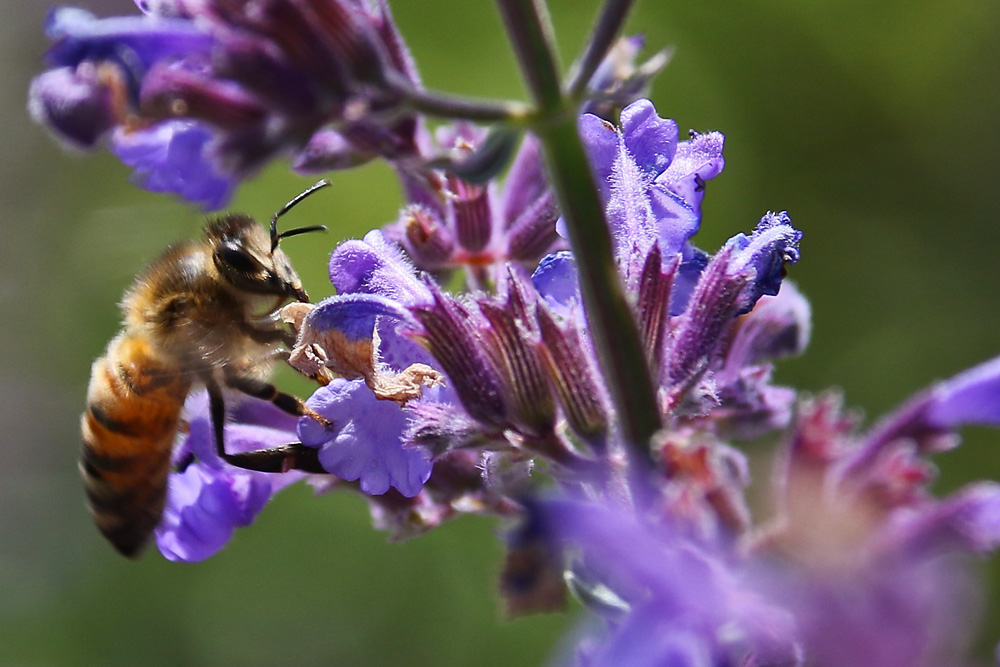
(452, 223)
(356, 335)
(174, 156)
(208, 499)
(74, 103)
(860, 565)
(365, 443)
(668, 598)
(245, 81)
(652, 183)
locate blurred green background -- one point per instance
(874, 124)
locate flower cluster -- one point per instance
(496, 399)
(196, 95)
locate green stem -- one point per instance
(443, 105)
(530, 30)
(612, 324)
(609, 24)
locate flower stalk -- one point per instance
(606, 30)
(609, 313)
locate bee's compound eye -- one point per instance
(236, 259)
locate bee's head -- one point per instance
(248, 257)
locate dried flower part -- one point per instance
(405, 386)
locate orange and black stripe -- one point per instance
(128, 431)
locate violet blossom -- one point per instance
(495, 398)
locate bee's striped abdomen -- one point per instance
(128, 430)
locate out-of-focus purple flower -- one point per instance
(133, 43)
(668, 598)
(174, 157)
(258, 79)
(926, 423)
(208, 499)
(74, 103)
(860, 565)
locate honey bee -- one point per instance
(204, 313)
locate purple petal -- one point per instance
(762, 256)
(778, 326)
(73, 103)
(646, 639)
(210, 499)
(696, 161)
(601, 140)
(557, 281)
(174, 157)
(649, 139)
(972, 397)
(127, 40)
(354, 315)
(676, 218)
(374, 266)
(966, 521)
(204, 507)
(366, 441)
(328, 150)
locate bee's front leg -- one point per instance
(293, 456)
(268, 335)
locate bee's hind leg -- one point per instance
(293, 456)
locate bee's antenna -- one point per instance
(275, 236)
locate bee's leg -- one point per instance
(268, 392)
(293, 456)
(286, 338)
(270, 335)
